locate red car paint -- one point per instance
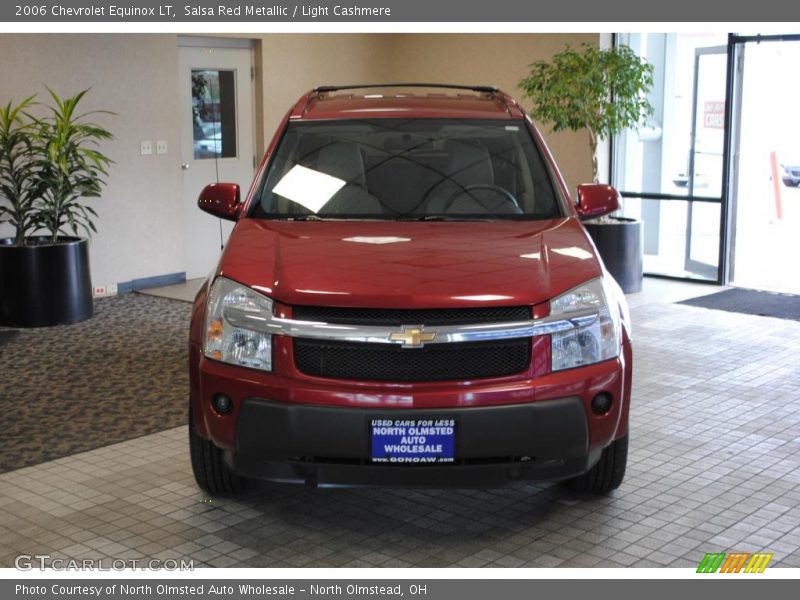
(445, 264)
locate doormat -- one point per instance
(120, 375)
(751, 302)
(6, 335)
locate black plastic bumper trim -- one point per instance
(547, 429)
(463, 476)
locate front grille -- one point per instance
(411, 316)
(434, 362)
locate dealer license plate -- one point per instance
(413, 441)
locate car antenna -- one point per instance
(216, 169)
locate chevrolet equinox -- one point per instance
(408, 298)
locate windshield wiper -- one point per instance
(337, 218)
(377, 218)
(438, 218)
(303, 218)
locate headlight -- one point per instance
(231, 344)
(592, 343)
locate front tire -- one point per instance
(208, 465)
(607, 474)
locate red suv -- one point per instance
(409, 298)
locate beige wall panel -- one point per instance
(295, 63)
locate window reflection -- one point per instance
(214, 113)
(309, 188)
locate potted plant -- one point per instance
(49, 166)
(603, 91)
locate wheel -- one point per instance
(607, 474)
(504, 194)
(210, 471)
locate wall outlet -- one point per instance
(161, 147)
(99, 291)
(146, 147)
(111, 289)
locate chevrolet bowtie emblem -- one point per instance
(412, 337)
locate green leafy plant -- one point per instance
(70, 167)
(601, 90)
(19, 185)
(49, 165)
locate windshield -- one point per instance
(407, 169)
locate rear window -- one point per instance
(407, 169)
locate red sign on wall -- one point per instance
(714, 115)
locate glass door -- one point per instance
(715, 174)
(766, 186)
(671, 170)
(705, 162)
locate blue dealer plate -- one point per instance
(413, 441)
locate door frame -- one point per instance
(735, 48)
(737, 45)
(694, 266)
(719, 274)
(240, 45)
(254, 45)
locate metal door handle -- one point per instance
(184, 166)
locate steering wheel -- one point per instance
(500, 190)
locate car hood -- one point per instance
(394, 264)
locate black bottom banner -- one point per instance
(429, 589)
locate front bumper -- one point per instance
(274, 429)
(330, 446)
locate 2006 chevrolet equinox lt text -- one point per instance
(408, 298)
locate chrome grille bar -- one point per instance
(382, 334)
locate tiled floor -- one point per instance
(714, 466)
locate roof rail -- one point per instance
(489, 89)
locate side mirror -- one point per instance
(221, 200)
(596, 200)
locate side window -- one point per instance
(214, 113)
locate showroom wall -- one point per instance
(292, 64)
(136, 76)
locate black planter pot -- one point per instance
(43, 285)
(620, 246)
